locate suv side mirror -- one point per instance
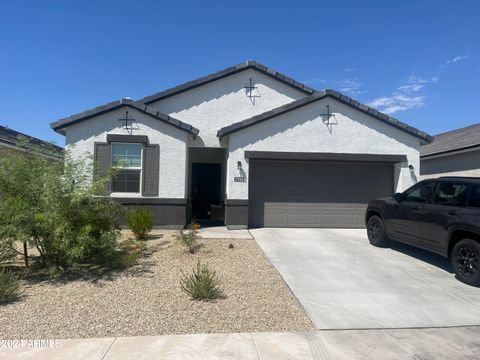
(398, 197)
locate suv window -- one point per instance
(454, 194)
(474, 200)
(420, 192)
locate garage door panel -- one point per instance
(275, 220)
(314, 194)
(336, 220)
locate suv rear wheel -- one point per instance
(376, 232)
(466, 261)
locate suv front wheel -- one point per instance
(376, 231)
(466, 261)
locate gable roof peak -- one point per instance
(248, 64)
(318, 95)
(60, 125)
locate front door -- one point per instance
(206, 189)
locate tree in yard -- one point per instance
(55, 206)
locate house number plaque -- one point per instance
(240, 179)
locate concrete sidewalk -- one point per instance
(432, 343)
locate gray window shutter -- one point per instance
(151, 170)
(102, 157)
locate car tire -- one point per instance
(465, 258)
(376, 232)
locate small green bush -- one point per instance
(140, 222)
(188, 238)
(128, 254)
(202, 283)
(8, 286)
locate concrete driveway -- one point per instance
(345, 283)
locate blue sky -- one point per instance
(417, 60)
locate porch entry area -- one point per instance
(207, 180)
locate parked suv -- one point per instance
(439, 215)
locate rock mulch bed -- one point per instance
(146, 299)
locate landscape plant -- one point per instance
(139, 221)
(9, 286)
(202, 283)
(55, 205)
(189, 238)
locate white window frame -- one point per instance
(140, 187)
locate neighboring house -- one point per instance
(453, 153)
(11, 140)
(250, 146)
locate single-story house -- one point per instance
(453, 153)
(11, 140)
(248, 146)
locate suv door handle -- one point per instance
(452, 212)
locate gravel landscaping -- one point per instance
(146, 299)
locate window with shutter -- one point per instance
(127, 160)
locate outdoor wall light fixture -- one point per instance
(412, 168)
(239, 165)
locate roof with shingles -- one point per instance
(13, 138)
(311, 96)
(61, 124)
(454, 140)
(318, 95)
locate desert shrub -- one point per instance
(57, 207)
(128, 254)
(139, 221)
(6, 251)
(202, 283)
(9, 286)
(189, 238)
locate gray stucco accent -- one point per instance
(143, 139)
(311, 156)
(250, 64)
(454, 163)
(236, 213)
(316, 97)
(166, 212)
(61, 124)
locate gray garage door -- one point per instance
(314, 194)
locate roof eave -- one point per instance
(250, 64)
(472, 147)
(225, 131)
(60, 125)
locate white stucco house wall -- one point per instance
(248, 146)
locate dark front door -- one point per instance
(206, 189)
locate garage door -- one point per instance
(314, 194)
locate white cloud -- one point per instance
(408, 95)
(456, 59)
(350, 86)
(405, 97)
(415, 84)
(397, 102)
